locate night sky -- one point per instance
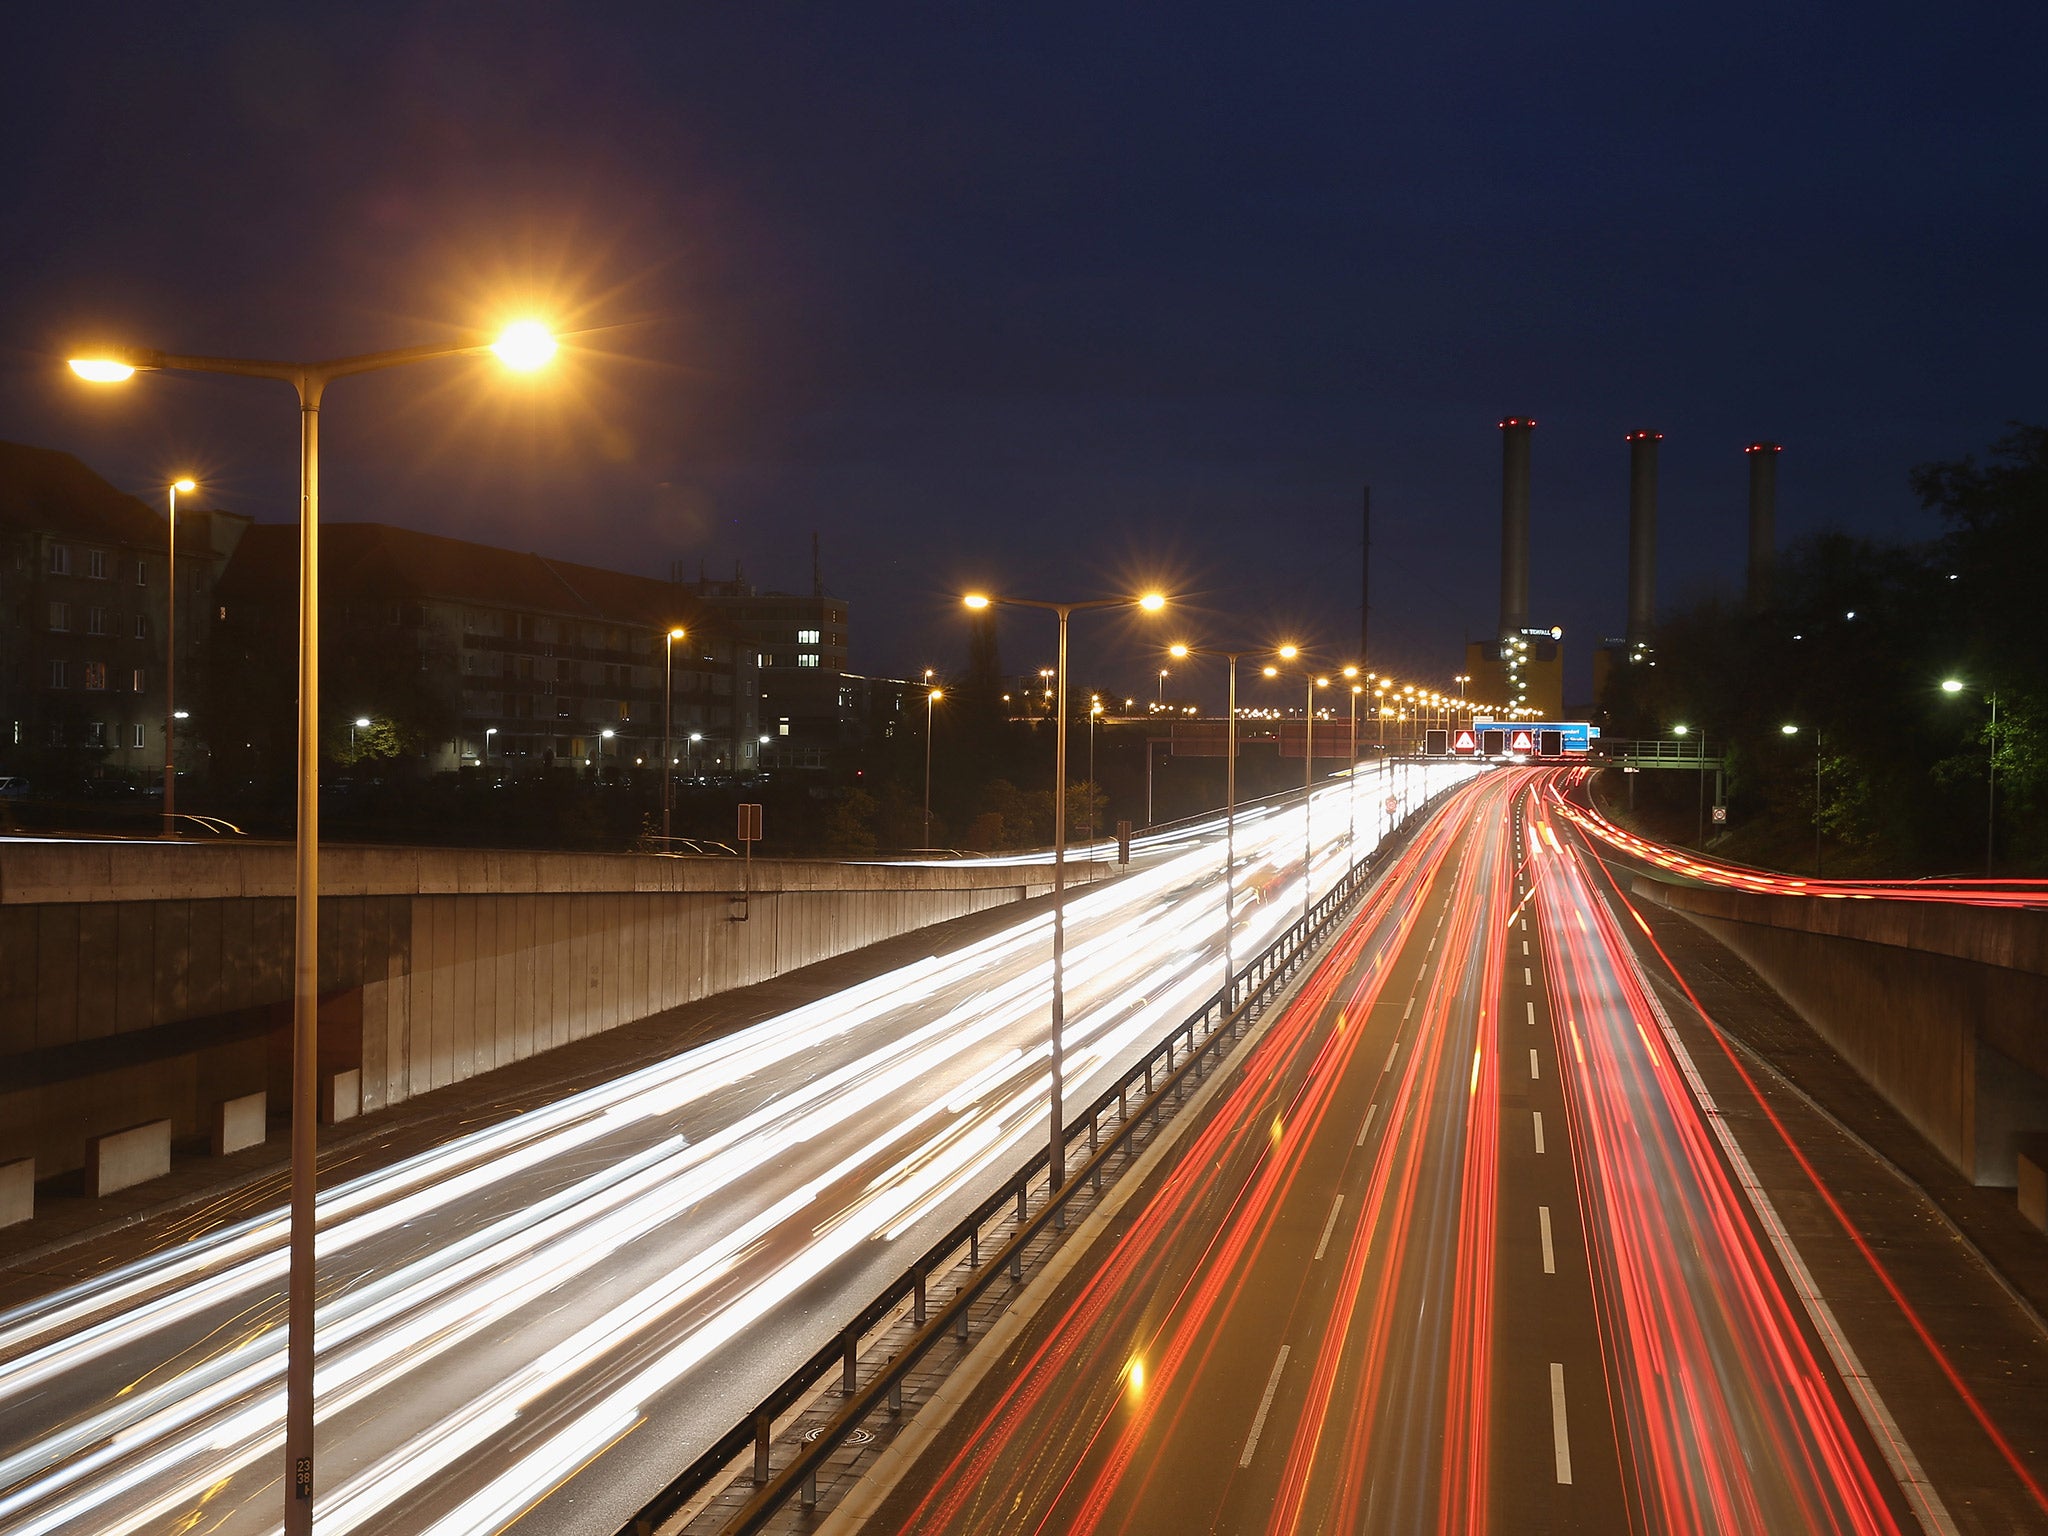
(1058, 299)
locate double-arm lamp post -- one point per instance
(524, 346)
(1151, 602)
(668, 693)
(1229, 806)
(187, 485)
(1954, 685)
(1308, 771)
(931, 697)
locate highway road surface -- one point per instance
(1463, 1246)
(543, 1321)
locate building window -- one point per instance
(807, 658)
(95, 733)
(142, 573)
(60, 674)
(96, 564)
(138, 680)
(60, 615)
(60, 560)
(764, 660)
(139, 743)
(96, 676)
(141, 626)
(807, 637)
(96, 621)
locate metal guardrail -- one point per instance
(1230, 1010)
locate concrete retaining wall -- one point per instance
(1942, 1007)
(143, 981)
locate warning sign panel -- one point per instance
(1465, 741)
(1522, 742)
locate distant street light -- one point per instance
(932, 696)
(1150, 602)
(1229, 807)
(668, 693)
(1793, 730)
(360, 723)
(171, 713)
(1308, 771)
(524, 345)
(1952, 685)
(602, 738)
(488, 734)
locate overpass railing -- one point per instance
(1138, 1098)
(1663, 752)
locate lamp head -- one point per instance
(1288, 652)
(525, 345)
(1951, 685)
(102, 370)
(362, 722)
(1789, 730)
(975, 600)
(1152, 602)
(1351, 671)
(676, 633)
(937, 694)
(185, 486)
(1272, 671)
(1177, 650)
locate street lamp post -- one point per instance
(1793, 730)
(360, 723)
(931, 697)
(1094, 713)
(1151, 602)
(187, 485)
(1351, 837)
(668, 693)
(1229, 809)
(488, 734)
(1308, 774)
(1954, 685)
(602, 738)
(523, 346)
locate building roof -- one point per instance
(44, 491)
(402, 562)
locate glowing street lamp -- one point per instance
(977, 602)
(187, 485)
(932, 696)
(1955, 685)
(668, 693)
(524, 346)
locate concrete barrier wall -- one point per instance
(1942, 1007)
(143, 981)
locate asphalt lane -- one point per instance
(1459, 1252)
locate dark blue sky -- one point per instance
(1047, 296)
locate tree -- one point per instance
(850, 831)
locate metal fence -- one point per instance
(1160, 1075)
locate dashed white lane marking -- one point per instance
(1535, 1072)
(1525, 946)
(1527, 979)
(1532, 1014)
(1408, 1010)
(1539, 1128)
(1266, 1405)
(1431, 947)
(1542, 1221)
(1370, 1111)
(1331, 1226)
(1397, 1051)
(1560, 1436)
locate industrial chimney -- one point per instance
(1642, 537)
(1763, 524)
(1514, 523)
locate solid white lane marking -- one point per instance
(1408, 1010)
(1560, 1437)
(1532, 1014)
(1539, 1128)
(1549, 1253)
(1370, 1111)
(1397, 1051)
(1535, 1072)
(1265, 1407)
(1330, 1226)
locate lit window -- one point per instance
(807, 658)
(807, 637)
(138, 679)
(96, 676)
